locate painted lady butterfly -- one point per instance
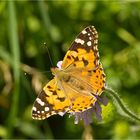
(77, 83)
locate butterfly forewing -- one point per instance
(83, 52)
(82, 60)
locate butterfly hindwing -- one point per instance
(96, 78)
(93, 80)
(79, 100)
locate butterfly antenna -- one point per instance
(48, 53)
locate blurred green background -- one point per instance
(25, 64)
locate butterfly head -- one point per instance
(57, 69)
(61, 74)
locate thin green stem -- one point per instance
(121, 104)
(14, 45)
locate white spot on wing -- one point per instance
(82, 42)
(90, 38)
(39, 118)
(84, 32)
(34, 108)
(98, 54)
(47, 109)
(95, 48)
(53, 112)
(42, 111)
(40, 102)
(78, 40)
(89, 43)
(96, 41)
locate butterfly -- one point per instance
(77, 83)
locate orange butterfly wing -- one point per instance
(83, 52)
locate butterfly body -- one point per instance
(76, 83)
(74, 80)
